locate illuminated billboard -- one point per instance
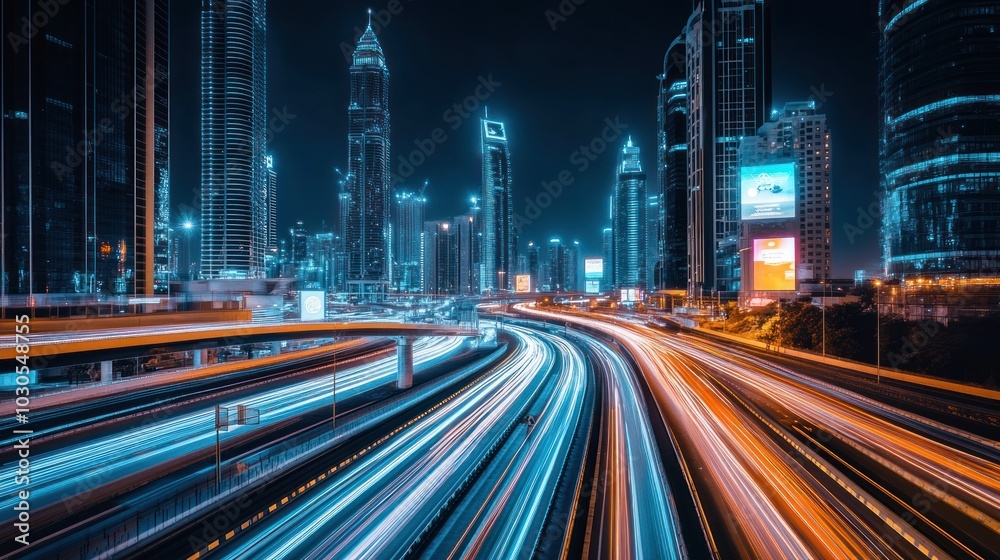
(629, 295)
(312, 305)
(593, 268)
(522, 283)
(767, 192)
(592, 286)
(774, 265)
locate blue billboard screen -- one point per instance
(767, 192)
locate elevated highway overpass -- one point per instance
(70, 348)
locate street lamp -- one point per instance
(878, 332)
(188, 227)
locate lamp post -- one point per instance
(188, 226)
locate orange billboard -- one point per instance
(522, 283)
(774, 265)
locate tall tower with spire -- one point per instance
(365, 220)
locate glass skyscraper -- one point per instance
(671, 172)
(940, 142)
(85, 108)
(366, 228)
(271, 222)
(727, 58)
(234, 174)
(628, 217)
(409, 229)
(499, 236)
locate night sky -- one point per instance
(556, 89)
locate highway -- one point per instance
(637, 517)
(88, 407)
(506, 511)
(899, 456)
(153, 449)
(757, 500)
(387, 502)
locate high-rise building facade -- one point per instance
(441, 258)
(671, 170)
(534, 265)
(409, 230)
(629, 220)
(271, 220)
(608, 245)
(940, 153)
(271, 223)
(799, 135)
(727, 58)
(499, 255)
(85, 180)
(298, 246)
(366, 225)
(234, 175)
(654, 237)
(556, 278)
(465, 232)
(572, 273)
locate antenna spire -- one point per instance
(369, 17)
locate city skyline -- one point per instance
(701, 279)
(452, 168)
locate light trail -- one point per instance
(379, 507)
(759, 498)
(642, 521)
(56, 476)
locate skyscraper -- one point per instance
(366, 228)
(299, 245)
(608, 244)
(940, 157)
(629, 220)
(727, 55)
(465, 232)
(671, 171)
(572, 273)
(409, 229)
(556, 280)
(271, 223)
(654, 238)
(440, 258)
(533, 265)
(799, 134)
(85, 179)
(234, 175)
(499, 237)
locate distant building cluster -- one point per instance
(738, 207)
